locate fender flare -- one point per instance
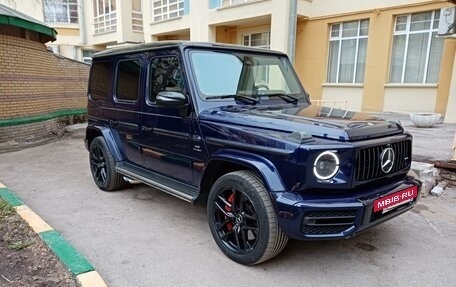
(263, 166)
(109, 137)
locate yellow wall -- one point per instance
(446, 69)
(377, 60)
(68, 32)
(312, 55)
(226, 34)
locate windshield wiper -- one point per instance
(241, 98)
(286, 97)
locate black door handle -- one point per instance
(147, 129)
(113, 122)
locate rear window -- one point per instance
(128, 73)
(100, 80)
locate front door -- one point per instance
(167, 132)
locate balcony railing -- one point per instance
(105, 23)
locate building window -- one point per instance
(167, 9)
(87, 56)
(136, 16)
(105, 16)
(416, 50)
(231, 2)
(61, 11)
(258, 40)
(347, 52)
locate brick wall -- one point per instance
(34, 82)
(13, 136)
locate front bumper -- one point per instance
(337, 217)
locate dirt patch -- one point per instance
(448, 176)
(25, 260)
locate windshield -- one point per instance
(227, 75)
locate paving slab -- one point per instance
(429, 144)
(142, 237)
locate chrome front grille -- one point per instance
(368, 163)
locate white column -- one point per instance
(279, 25)
(450, 115)
(88, 21)
(199, 28)
(123, 12)
(454, 147)
(147, 19)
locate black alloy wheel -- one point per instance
(242, 219)
(236, 220)
(98, 164)
(103, 166)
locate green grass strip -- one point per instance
(10, 197)
(42, 117)
(66, 253)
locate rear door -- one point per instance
(127, 95)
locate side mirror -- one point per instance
(171, 100)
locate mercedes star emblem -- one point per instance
(387, 160)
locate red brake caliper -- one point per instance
(230, 199)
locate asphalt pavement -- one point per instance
(143, 237)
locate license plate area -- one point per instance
(389, 202)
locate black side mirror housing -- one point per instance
(167, 99)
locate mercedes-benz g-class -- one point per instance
(233, 127)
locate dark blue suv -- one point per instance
(233, 127)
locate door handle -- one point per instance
(147, 129)
(113, 122)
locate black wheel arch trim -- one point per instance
(262, 166)
(93, 131)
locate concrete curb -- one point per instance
(76, 264)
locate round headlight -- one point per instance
(326, 165)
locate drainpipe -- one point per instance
(292, 29)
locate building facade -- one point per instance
(362, 55)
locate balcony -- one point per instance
(105, 23)
(163, 10)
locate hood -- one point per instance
(317, 121)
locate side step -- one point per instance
(173, 187)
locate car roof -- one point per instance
(136, 48)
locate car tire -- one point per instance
(242, 219)
(103, 166)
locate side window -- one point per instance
(128, 77)
(100, 80)
(165, 75)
